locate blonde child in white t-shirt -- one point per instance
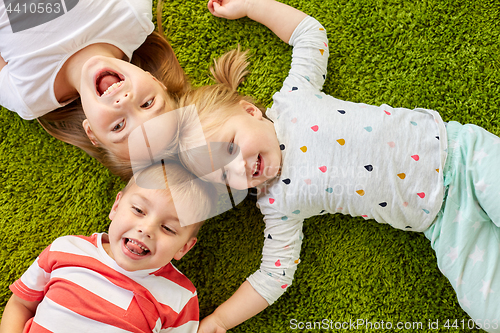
(89, 71)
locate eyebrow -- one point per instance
(161, 108)
(142, 197)
(148, 202)
(122, 139)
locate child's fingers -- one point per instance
(227, 9)
(210, 6)
(213, 7)
(217, 9)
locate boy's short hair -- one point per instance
(182, 186)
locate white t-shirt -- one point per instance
(35, 50)
(377, 162)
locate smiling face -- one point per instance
(145, 232)
(252, 141)
(116, 98)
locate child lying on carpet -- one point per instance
(122, 280)
(69, 67)
(314, 154)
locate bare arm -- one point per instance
(279, 17)
(244, 304)
(17, 312)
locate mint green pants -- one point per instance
(466, 232)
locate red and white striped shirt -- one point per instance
(82, 289)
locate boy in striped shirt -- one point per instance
(120, 281)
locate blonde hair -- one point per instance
(212, 104)
(156, 56)
(172, 177)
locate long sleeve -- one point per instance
(280, 256)
(310, 56)
(283, 232)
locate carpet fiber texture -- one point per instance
(437, 54)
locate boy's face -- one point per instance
(116, 98)
(258, 151)
(145, 232)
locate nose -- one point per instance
(124, 99)
(146, 228)
(238, 166)
(238, 173)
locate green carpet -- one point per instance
(438, 54)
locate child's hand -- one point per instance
(228, 9)
(210, 325)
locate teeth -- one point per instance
(145, 249)
(256, 168)
(112, 87)
(139, 245)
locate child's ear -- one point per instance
(251, 109)
(185, 249)
(88, 131)
(112, 213)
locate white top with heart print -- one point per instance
(376, 162)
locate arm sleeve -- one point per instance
(283, 234)
(31, 285)
(9, 96)
(187, 319)
(309, 57)
(280, 256)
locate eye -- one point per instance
(224, 176)
(138, 210)
(168, 230)
(118, 126)
(148, 104)
(231, 148)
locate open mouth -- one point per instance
(107, 81)
(257, 168)
(135, 247)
